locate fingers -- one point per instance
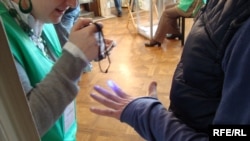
(152, 89)
(106, 112)
(116, 89)
(86, 22)
(106, 102)
(80, 23)
(115, 102)
(107, 94)
(83, 35)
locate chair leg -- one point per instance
(182, 30)
(131, 17)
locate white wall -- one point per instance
(85, 1)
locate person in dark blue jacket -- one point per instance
(210, 84)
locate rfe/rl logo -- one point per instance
(228, 132)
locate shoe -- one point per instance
(152, 44)
(119, 14)
(173, 36)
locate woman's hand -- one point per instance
(83, 35)
(116, 101)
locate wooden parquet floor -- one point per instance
(133, 67)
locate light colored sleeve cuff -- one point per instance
(75, 51)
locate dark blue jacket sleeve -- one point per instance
(235, 103)
(155, 123)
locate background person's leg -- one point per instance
(118, 6)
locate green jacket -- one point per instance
(190, 6)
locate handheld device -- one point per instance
(101, 42)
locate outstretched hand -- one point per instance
(117, 100)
